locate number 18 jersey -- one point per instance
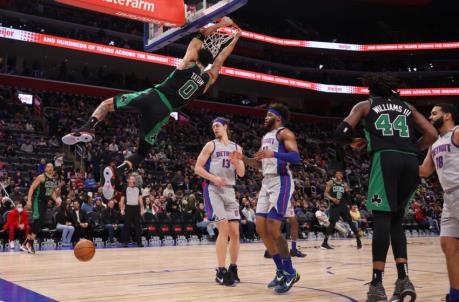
(389, 125)
(219, 163)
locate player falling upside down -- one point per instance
(214, 165)
(389, 124)
(279, 149)
(191, 79)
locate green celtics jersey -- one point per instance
(389, 125)
(337, 189)
(182, 86)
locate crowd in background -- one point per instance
(168, 183)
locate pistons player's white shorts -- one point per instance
(450, 215)
(221, 203)
(274, 200)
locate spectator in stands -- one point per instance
(65, 223)
(29, 127)
(157, 206)
(168, 191)
(42, 142)
(9, 151)
(27, 146)
(356, 217)
(113, 147)
(81, 223)
(99, 205)
(17, 219)
(90, 183)
(203, 223)
(189, 204)
(147, 205)
(110, 219)
(87, 204)
(41, 166)
(247, 220)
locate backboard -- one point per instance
(198, 14)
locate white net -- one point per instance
(215, 41)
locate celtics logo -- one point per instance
(376, 200)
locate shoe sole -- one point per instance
(324, 248)
(108, 189)
(406, 294)
(72, 139)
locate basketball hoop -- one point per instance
(214, 42)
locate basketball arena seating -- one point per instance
(171, 155)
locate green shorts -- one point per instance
(394, 178)
(153, 106)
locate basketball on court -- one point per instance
(229, 150)
(84, 250)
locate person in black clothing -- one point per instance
(111, 219)
(131, 206)
(81, 223)
(389, 124)
(65, 223)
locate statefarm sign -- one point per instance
(165, 12)
(38, 38)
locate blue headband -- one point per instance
(275, 112)
(220, 120)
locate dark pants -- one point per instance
(82, 233)
(132, 220)
(247, 229)
(337, 211)
(110, 230)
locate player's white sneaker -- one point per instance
(79, 136)
(108, 188)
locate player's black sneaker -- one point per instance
(325, 246)
(267, 255)
(403, 288)
(233, 270)
(297, 253)
(277, 279)
(287, 282)
(359, 243)
(223, 277)
(109, 182)
(376, 293)
(84, 134)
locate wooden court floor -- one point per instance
(186, 273)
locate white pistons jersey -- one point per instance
(445, 154)
(219, 163)
(274, 166)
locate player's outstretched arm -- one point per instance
(429, 134)
(195, 45)
(428, 166)
(220, 59)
